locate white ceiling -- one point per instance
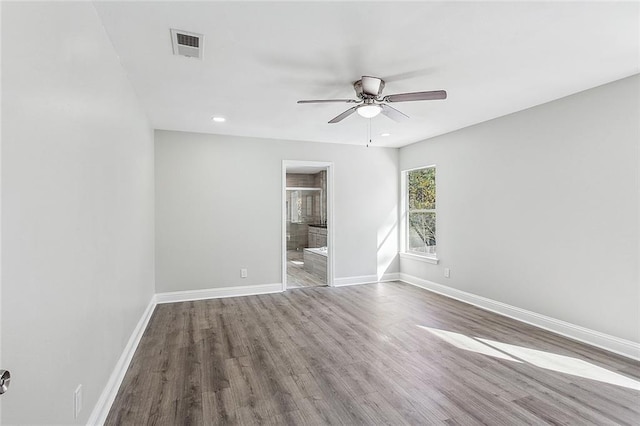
(261, 57)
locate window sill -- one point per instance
(426, 259)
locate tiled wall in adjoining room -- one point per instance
(298, 180)
(297, 236)
(297, 233)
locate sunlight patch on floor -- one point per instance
(565, 364)
(467, 343)
(547, 360)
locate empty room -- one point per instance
(310, 213)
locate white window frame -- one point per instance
(404, 222)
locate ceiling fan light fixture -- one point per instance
(369, 110)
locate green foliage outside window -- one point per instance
(421, 188)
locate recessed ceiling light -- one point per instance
(384, 135)
(219, 119)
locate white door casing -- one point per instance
(328, 166)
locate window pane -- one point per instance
(422, 232)
(422, 189)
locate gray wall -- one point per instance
(77, 218)
(539, 209)
(219, 208)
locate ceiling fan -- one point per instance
(371, 102)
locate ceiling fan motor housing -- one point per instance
(368, 87)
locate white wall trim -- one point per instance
(391, 276)
(610, 343)
(328, 166)
(216, 293)
(101, 409)
(365, 279)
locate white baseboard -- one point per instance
(101, 409)
(216, 293)
(595, 338)
(393, 276)
(365, 279)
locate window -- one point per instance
(421, 211)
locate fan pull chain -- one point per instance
(369, 134)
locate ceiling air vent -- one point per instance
(187, 44)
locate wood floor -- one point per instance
(383, 353)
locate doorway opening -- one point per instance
(307, 224)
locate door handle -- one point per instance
(5, 379)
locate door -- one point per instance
(1, 371)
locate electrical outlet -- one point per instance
(77, 401)
(243, 273)
(447, 272)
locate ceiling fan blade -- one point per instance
(372, 85)
(326, 101)
(343, 115)
(393, 113)
(416, 96)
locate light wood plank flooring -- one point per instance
(384, 353)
